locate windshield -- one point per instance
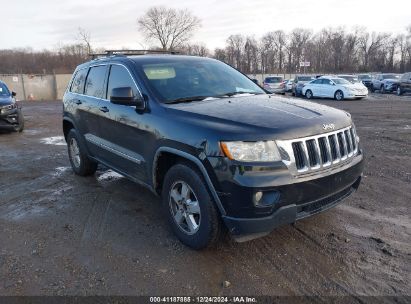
(390, 76)
(364, 77)
(305, 78)
(352, 79)
(188, 80)
(3, 90)
(340, 81)
(273, 79)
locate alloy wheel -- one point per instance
(75, 152)
(184, 207)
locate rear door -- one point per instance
(327, 88)
(84, 108)
(316, 87)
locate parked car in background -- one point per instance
(366, 79)
(404, 85)
(299, 82)
(11, 116)
(333, 87)
(273, 84)
(385, 83)
(289, 85)
(350, 78)
(354, 80)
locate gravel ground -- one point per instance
(103, 235)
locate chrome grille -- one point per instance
(321, 151)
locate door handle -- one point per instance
(78, 102)
(104, 109)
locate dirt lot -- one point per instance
(63, 234)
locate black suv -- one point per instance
(11, 116)
(220, 151)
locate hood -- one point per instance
(6, 100)
(261, 115)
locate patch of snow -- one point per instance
(54, 140)
(109, 175)
(60, 170)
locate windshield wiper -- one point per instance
(187, 99)
(229, 94)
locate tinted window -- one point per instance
(120, 78)
(305, 78)
(3, 90)
(273, 79)
(78, 83)
(326, 81)
(318, 81)
(340, 81)
(390, 76)
(95, 81)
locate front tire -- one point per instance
(382, 89)
(339, 95)
(399, 91)
(20, 118)
(308, 94)
(189, 208)
(80, 162)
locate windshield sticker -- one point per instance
(159, 72)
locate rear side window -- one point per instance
(95, 81)
(120, 78)
(78, 83)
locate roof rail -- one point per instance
(108, 53)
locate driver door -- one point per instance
(124, 130)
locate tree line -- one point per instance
(330, 50)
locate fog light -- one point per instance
(266, 198)
(257, 197)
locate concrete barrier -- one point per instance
(37, 87)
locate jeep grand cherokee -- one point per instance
(221, 152)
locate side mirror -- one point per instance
(124, 96)
(13, 94)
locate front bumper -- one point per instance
(391, 87)
(295, 200)
(9, 118)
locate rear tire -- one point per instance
(399, 91)
(339, 95)
(308, 94)
(197, 226)
(80, 162)
(382, 89)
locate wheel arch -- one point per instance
(173, 156)
(68, 124)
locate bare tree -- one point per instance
(196, 49)
(84, 37)
(172, 28)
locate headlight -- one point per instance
(260, 151)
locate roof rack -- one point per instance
(108, 53)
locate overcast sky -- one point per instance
(112, 24)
